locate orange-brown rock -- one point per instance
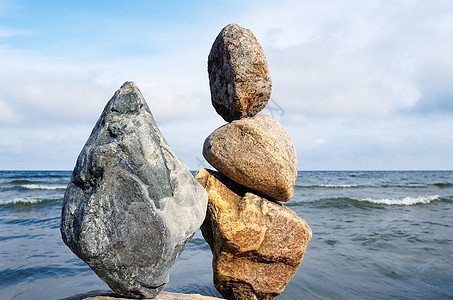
(257, 244)
(256, 152)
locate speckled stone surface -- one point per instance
(256, 152)
(131, 205)
(238, 74)
(257, 244)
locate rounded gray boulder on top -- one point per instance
(238, 74)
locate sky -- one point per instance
(358, 85)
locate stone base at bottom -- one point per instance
(109, 295)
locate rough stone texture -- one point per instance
(238, 74)
(257, 244)
(108, 295)
(257, 153)
(131, 205)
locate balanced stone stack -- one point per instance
(257, 243)
(131, 205)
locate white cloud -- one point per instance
(352, 59)
(45, 90)
(6, 33)
(6, 113)
(172, 103)
(47, 98)
(346, 87)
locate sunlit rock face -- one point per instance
(257, 244)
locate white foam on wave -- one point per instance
(43, 187)
(339, 185)
(404, 201)
(329, 186)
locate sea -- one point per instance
(376, 235)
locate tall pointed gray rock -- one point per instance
(131, 205)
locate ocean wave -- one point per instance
(444, 185)
(22, 181)
(43, 187)
(405, 186)
(24, 201)
(411, 185)
(404, 200)
(328, 186)
(368, 203)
